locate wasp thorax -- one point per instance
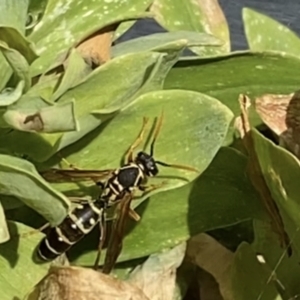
(148, 163)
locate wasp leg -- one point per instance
(151, 187)
(137, 142)
(71, 166)
(102, 227)
(31, 232)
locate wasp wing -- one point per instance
(66, 175)
(116, 239)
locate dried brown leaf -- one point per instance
(281, 113)
(96, 49)
(157, 276)
(70, 283)
(204, 251)
(255, 174)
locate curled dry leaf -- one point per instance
(70, 283)
(96, 49)
(157, 276)
(255, 174)
(281, 113)
(204, 251)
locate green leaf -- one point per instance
(99, 96)
(9, 202)
(12, 27)
(285, 269)
(18, 271)
(14, 14)
(250, 280)
(51, 119)
(190, 119)
(65, 23)
(76, 70)
(45, 87)
(170, 55)
(5, 71)
(197, 16)
(220, 197)
(242, 72)
(264, 33)
(18, 42)
(140, 6)
(19, 178)
(9, 96)
(18, 63)
(280, 178)
(157, 41)
(4, 233)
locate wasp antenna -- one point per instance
(182, 167)
(156, 132)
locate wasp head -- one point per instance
(148, 163)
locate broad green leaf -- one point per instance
(19, 273)
(12, 27)
(9, 96)
(286, 269)
(4, 233)
(18, 63)
(75, 72)
(220, 197)
(280, 178)
(108, 89)
(250, 280)
(9, 202)
(14, 14)
(65, 23)
(189, 119)
(243, 72)
(170, 55)
(20, 179)
(197, 16)
(5, 72)
(50, 119)
(157, 41)
(45, 87)
(141, 6)
(264, 33)
(18, 42)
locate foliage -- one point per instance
(67, 91)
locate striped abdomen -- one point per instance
(74, 227)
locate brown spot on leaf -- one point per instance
(34, 122)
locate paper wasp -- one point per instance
(119, 189)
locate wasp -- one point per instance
(118, 188)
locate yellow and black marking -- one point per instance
(78, 223)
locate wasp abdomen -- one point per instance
(74, 227)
